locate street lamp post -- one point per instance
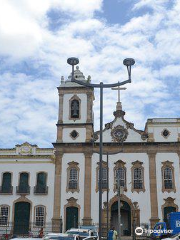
(119, 192)
(128, 62)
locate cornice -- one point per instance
(115, 148)
(75, 89)
(74, 124)
(27, 157)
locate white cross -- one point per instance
(118, 89)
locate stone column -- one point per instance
(153, 188)
(87, 189)
(56, 220)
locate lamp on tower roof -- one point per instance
(72, 61)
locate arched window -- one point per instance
(4, 215)
(40, 213)
(73, 178)
(137, 172)
(23, 183)
(121, 176)
(75, 108)
(6, 183)
(138, 178)
(168, 179)
(104, 178)
(41, 185)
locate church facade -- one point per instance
(146, 163)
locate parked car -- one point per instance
(83, 233)
(25, 238)
(61, 236)
(92, 228)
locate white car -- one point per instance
(83, 233)
(27, 238)
(60, 236)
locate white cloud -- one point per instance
(28, 101)
(23, 24)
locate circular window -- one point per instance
(74, 134)
(165, 133)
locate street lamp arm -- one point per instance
(116, 84)
(99, 85)
(85, 83)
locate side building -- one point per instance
(146, 163)
(26, 189)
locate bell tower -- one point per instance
(75, 119)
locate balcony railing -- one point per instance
(23, 189)
(6, 189)
(40, 190)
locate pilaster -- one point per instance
(60, 117)
(56, 220)
(87, 189)
(89, 106)
(153, 188)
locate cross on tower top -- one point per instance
(119, 107)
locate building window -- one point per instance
(40, 216)
(168, 183)
(165, 133)
(75, 109)
(6, 183)
(23, 187)
(4, 215)
(120, 176)
(73, 177)
(74, 134)
(137, 177)
(104, 178)
(41, 185)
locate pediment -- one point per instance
(120, 130)
(25, 148)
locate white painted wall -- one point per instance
(67, 158)
(32, 168)
(162, 157)
(66, 135)
(157, 131)
(83, 110)
(143, 198)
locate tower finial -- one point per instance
(119, 105)
(62, 79)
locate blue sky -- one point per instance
(37, 37)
